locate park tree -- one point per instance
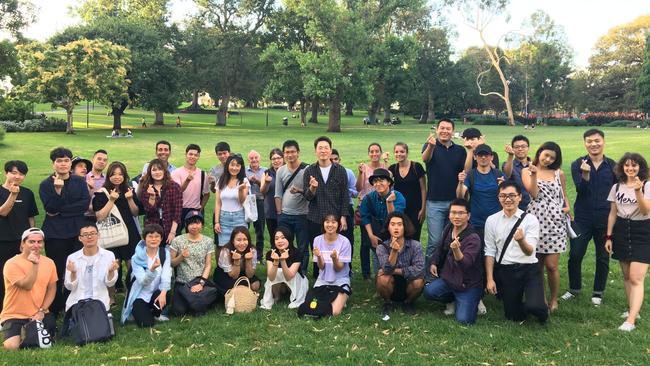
(616, 63)
(66, 74)
(154, 77)
(234, 26)
(643, 84)
(154, 12)
(15, 15)
(192, 48)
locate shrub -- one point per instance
(15, 110)
(627, 123)
(35, 125)
(2, 132)
(565, 122)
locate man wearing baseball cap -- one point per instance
(30, 283)
(472, 138)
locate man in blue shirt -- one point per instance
(443, 160)
(482, 185)
(593, 176)
(517, 160)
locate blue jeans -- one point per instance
(437, 218)
(298, 226)
(466, 301)
(365, 253)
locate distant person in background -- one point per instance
(143, 123)
(17, 213)
(65, 199)
(178, 121)
(628, 231)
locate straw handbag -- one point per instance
(241, 299)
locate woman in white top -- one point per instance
(231, 191)
(628, 230)
(378, 159)
(89, 272)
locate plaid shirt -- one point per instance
(169, 202)
(410, 259)
(331, 197)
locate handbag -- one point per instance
(199, 302)
(240, 299)
(250, 208)
(113, 232)
(318, 302)
(35, 335)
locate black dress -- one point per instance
(125, 252)
(409, 187)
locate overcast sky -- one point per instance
(584, 21)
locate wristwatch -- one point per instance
(202, 282)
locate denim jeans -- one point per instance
(365, 253)
(466, 301)
(437, 218)
(577, 252)
(298, 226)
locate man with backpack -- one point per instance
(89, 273)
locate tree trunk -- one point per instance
(303, 111)
(68, 126)
(372, 113)
(314, 110)
(431, 113)
(194, 107)
(117, 114)
(386, 114)
(222, 112)
(424, 116)
(160, 119)
(348, 109)
(334, 123)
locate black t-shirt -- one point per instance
(294, 257)
(100, 200)
(13, 225)
(409, 186)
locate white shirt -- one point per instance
(325, 172)
(497, 228)
(101, 262)
(230, 198)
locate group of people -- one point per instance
(488, 229)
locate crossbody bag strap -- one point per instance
(286, 185)
(509, 238)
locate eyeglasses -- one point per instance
(510, 196)
(457, 213)
(519, 147)
(88, 235)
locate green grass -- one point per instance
(578, 334)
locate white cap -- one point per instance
(30, 231)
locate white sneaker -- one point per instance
(162, 318)
(482, 310)
(626, 313)
(626, 327)
(569, 296)
(597, 301)
(451, 309)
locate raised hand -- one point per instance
(362, 167)
(637, 184)
(285, 254)
(294, 190)
(185, 253)
(249, 255)
(274, 255)
(431, 140)
(189, 177)
(519, 234)
(70, 267)
(113, 196)
(241, 187)
(235, 255)
(155, 264)
(385, 156)
(334, 255)
(14, 189)
(129, 193)
(313, 182)
(394, 244)
(532, 169)
(58, 182)
(501, 179)
(34, 257)
(391, 197)
(316, 252)
(455, 244)
(115, 265)
(151, 190)
(461, 176)
(584, 166)
(267, 177)
(509, 150)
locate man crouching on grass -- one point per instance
(400, 277)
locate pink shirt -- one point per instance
(193, 193)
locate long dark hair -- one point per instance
(147, 179)
(231, 243)
(633, 157)
(225, 177)
(109, 173)
(552, 146)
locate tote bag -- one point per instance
(250, 208)
(113, 232)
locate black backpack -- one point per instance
(318, 302)
(89, 322)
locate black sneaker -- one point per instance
(408, 308)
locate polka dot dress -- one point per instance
(547, 207)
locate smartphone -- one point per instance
(155, 305)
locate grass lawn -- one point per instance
(578, 334)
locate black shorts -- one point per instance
(12, 327)
(399, 288)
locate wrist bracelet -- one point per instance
(608, 237)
